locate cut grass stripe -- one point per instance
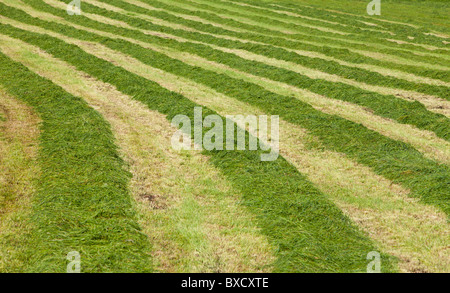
(82, 203)
(407, 28)
(311, 234)
(184, 204)
(386, 106)
(241, 11)
(396, 161)
(429, 145)
(19, 132)
(405, 33)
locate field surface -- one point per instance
(87, 163)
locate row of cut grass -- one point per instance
(408, 10)
(319, 164)
(272, 40)
(367, 190)
(141, 14)
(311, 234)
(328, 66)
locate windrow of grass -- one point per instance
(396, 161)
(327, 66)
(258, 8)
(420, 71)
(413, 52)
(281, 35)
(392, 107)
(309, 43)
(310, 233)
(82, 202)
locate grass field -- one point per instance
(87, 108)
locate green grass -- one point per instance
(429, 14)
(82, 203)
(313, 43)
(311, 233)
(359, 42)
(383, 105)
(396, 161)
(282, 22)
(331, 67)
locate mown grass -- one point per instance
(387, 106)
(331, 67)
(427, 14)
(189, 211)
(273, 21)
(394, 160)
(311, 233)
(293, 205)
(320, 45)
(18, 176)
(317, 36)
(82, 203)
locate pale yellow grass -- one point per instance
(188, 210)
(428, 47)
(402, 226)
(19, 132)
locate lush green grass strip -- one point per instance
(387, 106)
(395, 160)
(82, 203)
(312, 234)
